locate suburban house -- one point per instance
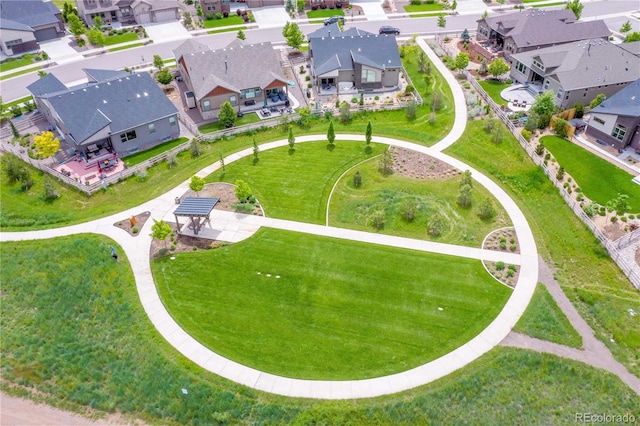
(616, 121)
(353, 60)
(536, 28)
(215, 6)
(576, 72)
(26, 23)
(115, 112)
(248, 76)
(128, 11)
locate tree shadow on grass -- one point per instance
(291, 151)
(331, 147)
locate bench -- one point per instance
(249, 102)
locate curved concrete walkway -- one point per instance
(137, 250)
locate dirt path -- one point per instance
(24, 412)
(595, 353)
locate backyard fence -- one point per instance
(626, 265)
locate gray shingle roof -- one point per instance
(32, 13)
(103, 75)
(633, 47)
(8, 24)
(626, 102)
(46, 85)
(334, 30)
(541, 27)
(123, 102)
(586, 63)
(378, 51)
(235, 68)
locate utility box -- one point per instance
(190, 99)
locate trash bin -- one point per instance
(177, 200)
(308, 93)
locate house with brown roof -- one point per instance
(248, 76)
(535, 29)
(577, 72)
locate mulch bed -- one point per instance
(134, 223)
(416, 165)
(504, 240)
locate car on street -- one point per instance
(333, 20)
(387, 29)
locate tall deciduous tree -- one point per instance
(241, 35)
(634, 36)
(462, 60)
(75, 25)
(498, 67)
(158, 62)
(293, 35)
(597, 100)
(97, 22)
(576, 7)
(96, 37)
(441, 21)
(46, 144)
(160, 230)
(164, 76)
(196, 184)
(243, 191)
(227, 115)
(544, 104)
(331, 134)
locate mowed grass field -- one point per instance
(353, 207)
(330, 309)
(84, 343)
(599, 180)
(296, 185)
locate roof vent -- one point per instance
(104, 101)
(108, 83)
(84, 90)
(146, 94)
(96, 86)
(137, 95)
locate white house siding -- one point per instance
(608, 119)
(10, 35)
(146, 139)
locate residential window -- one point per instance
(233, 100)
(128, 136)
(619, 131)
(520, 67)
(13, 42)
(538, 64)
(172, 121)
(368, 76)
(152, 128)
(560, 94)
(598, 120)
(206, 105)
(546, 84)
(250, 93)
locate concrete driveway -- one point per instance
(166, 31)
(271, 17)
(59, 50)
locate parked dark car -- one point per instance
(333, 20)
(389, 30)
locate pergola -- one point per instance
(196, 208)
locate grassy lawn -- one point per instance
(423, 7)
(599, 180)
(227, 30)
(7, 106)
(546, 4)
(593, 282)
(26, 210)
(10, 64)
(296, 185)
(129, 46)
(214, 126)
(15, 74)
(353, 207)
(493, 89)
(231, 20)
(544, 320)
(324, 13)
(328, 316)
(84, 340)
(139, 157)
(120, 38)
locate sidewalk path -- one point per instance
(595, 352)
(137, 250)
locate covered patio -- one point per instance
(197, 209)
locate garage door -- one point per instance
(46, 34)
(165, 15)
(143, 18)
